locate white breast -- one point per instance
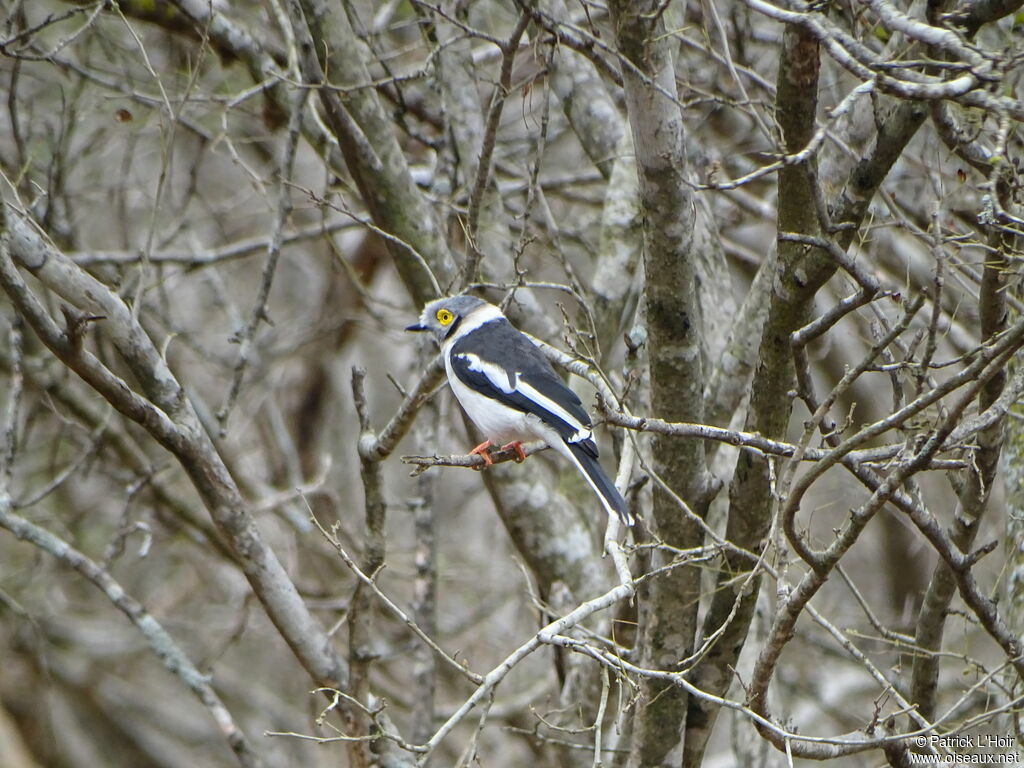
(498, 423)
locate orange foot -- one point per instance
(518, 448)
(481, 451)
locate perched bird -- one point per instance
(510, 391)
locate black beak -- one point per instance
(416, 327)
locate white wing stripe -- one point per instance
(495, 374)
(549, 405)
(499, 377)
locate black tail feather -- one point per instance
(600, 482)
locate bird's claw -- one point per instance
(481, 451)
(518, 448)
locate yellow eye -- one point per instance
(444, 317)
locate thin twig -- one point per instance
(161, 643)
(245, 336)
(332, 539)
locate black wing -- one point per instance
(499, 362)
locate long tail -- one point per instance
(605, 489)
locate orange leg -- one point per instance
(481, 451)
(518, 448)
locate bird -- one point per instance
(511, 393)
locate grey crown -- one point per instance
(460, 306)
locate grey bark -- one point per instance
(675, 364)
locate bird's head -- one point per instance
(442, 317)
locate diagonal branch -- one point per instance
(160, 642)
(167, 414)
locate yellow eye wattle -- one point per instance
(444, 317)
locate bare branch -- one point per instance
(159, 641)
